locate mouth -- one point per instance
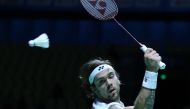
(112, 90)
(112, 93)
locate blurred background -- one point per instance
(36, 78)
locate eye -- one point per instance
(111, 75)
(102, 81)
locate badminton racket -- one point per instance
(106, 10)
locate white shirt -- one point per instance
(101, 105)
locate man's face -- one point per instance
(107, 85)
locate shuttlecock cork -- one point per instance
(41, 41)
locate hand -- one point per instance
(152, 59)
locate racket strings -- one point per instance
(105, 10)
(102, 13)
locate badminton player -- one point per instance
(100, 83)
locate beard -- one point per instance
(109, 95)
(113, 92)
(113, 96)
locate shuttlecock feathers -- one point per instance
(41, 41)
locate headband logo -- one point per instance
(100, 5)
(100, 68)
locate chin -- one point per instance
(115, 97)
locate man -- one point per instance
(102, 85)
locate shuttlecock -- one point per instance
(41, 41)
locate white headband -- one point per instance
(97, 70)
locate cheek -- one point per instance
(117, 84)
(117, 81)
(102, 89)
(102, 92)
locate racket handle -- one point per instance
(161, 64)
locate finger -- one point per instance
(153, 52)
(149, 50)
(153, 56)
(156, 55)
(157, 58)
(150, 53)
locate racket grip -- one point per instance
(161, 64)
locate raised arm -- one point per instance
(146, 96)
(145, 99)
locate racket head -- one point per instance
(101, 9)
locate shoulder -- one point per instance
(129, 107)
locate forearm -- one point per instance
(146, 96)
(145, 99)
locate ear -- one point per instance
(119, 82)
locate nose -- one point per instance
(109, 82)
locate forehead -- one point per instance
(104, 73)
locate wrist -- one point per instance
(152, 69)
(150, 80)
